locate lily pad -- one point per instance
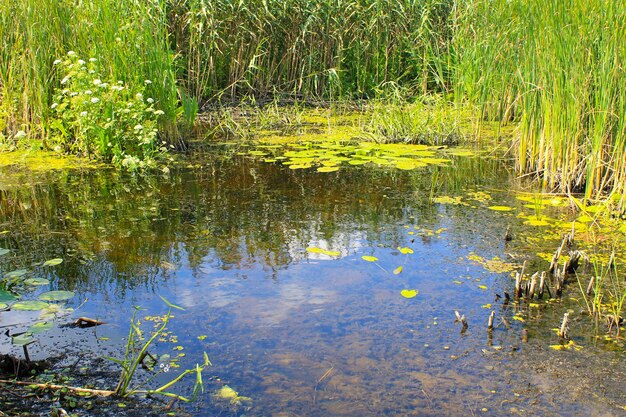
(328, 169)
(369, 258)
(40, 327)
(29, 305)
(398, 270)
(409, 293)
(16, 274)
(53, 262)
(500, 208)
(56, 295)
(6, 296)
(37, 281)
(22, 339)
(4, 251)
(405, 250)
(3, 306)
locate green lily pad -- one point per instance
(22, 339)
(4, 251)
(6, 296)
(29, 305)
(409, 293)
(37, 281)
(16, 274)
(328, 169)
(500, 208)
(53, 262)
(3, 306)
(56, 295)
(369, 258)
(398, 270)
(405, 250)
(40, 327)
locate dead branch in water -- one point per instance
(99, 392)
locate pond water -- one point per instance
(305, 332)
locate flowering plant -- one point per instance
(95, 116)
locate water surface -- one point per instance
(301, 333)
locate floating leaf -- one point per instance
(29, 305)
(488, 305)
(3, 306)
(6, 296)
(405, 250)
(4, 251)
(36, 281)
(409, 293)
(328, 169)
(482, 287)
(398, 270)
(500, 208)
(53, 262)
(40, 327)
(369, 258)
(22, 339)
(16, 274)
(56, 295)
(322, 251)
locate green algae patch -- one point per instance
(40, 161)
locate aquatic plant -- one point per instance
(555, 68)
(15, 284)
(427, 121)
(129, 38)
(137, 354)
(96, 116)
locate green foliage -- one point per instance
(15, 284)
(137, 355)
(430, 121)
(556, 68)
(93, 115)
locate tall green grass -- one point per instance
(129, 37)
(200, 50)
(557, 67)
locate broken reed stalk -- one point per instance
(563, 329)
(542, 283)
(461, 319)
(491, 317)
(572, 263)
(533, 284)
(518, 285)
(590, 286)
(555, 258)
